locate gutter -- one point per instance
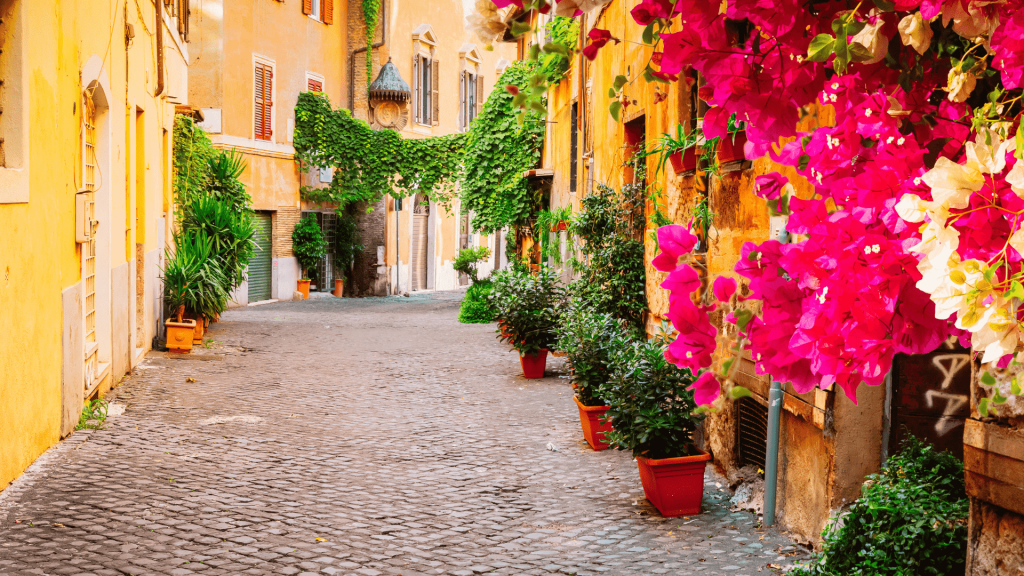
(159, 48)
(361, 49)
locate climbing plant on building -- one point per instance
(564, 32)
(368, 163)
(371, 15)
(501, 146)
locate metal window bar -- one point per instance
(751, 432)
(325, 271)
(89, 177)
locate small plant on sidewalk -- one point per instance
(910, 521)
(476, 305)
(93, 416)
(527, 306)
(309, 244)
(468, 259)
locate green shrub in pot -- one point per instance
(586, 336)
(308, 244)
(193, 277)
(527, 307)
(648, 401)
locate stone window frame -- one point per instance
(14, 122)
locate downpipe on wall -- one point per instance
(771, 465)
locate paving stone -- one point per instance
(393, 440)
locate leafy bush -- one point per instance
(468, 258)
(230, 232)
(527, 307)
(648, 400)
(193, 279)
(346, 242)
(586, 336)
(308, 243)
(910, 521)
(476, 306)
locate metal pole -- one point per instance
(771, 466)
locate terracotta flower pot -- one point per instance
(674, 485)
(684, 160)
(593, 428)
(180, 335)
(339, 287)
(304, 288)
(730, 149)
(200, 330)
(533, 364)
(562, 226)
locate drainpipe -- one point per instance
(159, 48)
(360, 50)
(771, 465)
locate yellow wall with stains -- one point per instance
(63, 44)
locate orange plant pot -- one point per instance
(339, 287)
(674, 485)
(684, 160)
(731, 148)
(180, 335)
(533, 364)
(304, 288)
(594, 428)
(200, 330)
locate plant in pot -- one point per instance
(527, 307)
(679, 150)
(588, 337)
(730, 148)
(346, 246)
(194, 285)
(654, 419)
(310, 248)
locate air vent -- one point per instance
(751, 432)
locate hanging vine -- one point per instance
(369, 163)
(371, 15)
(502, 144)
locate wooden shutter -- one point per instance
(479, 94)
(463, 101)
(327, 11)
(416, 106)
(315, 86)
(264, 105)
(307, 7)
(435, 100)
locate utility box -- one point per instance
(85, 215)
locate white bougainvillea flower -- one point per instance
(872, 38)
(960, 84)
(952, 184)
(1015, 177)
(988, 152)
(912, 208)
(937, 246)
(486, 22)
(915, 32)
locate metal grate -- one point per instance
(89, 177)
(751, 432)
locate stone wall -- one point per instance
(995, 540)
(369, 276)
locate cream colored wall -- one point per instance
(39, 258)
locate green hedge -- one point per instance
(476, 307)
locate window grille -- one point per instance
(751, 432)
(89, 179)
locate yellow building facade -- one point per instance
(89, 92)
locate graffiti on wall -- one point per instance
(931, 396)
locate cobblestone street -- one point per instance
(356, 436)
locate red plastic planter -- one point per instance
(674, 485)
(533, 364)
(729, 150)
(684, 160)
(593, 428)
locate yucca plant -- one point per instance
(230, 231)
(193, 279)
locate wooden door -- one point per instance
(419, 252)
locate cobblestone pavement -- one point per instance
(364, 437)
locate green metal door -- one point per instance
(261, 264)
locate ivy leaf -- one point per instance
(821, 48)
(619, 82)
(615, 109)
(612, 93)
(983, 407)
(987, 379)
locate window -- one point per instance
(470, 88)
(315, 85)
(573, 146)
(264, 101)
(426, 72)
(319, 10)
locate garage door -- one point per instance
(261, 264)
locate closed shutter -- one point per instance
(262, 261)
(307, 7)
(463, 112)
(264, 105)
(416, 90)
(327, 9)
(419, 252)
(435, 100)
(315, 86)
(479, 95)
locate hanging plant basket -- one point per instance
(562, 226)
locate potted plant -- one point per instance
(194, 286)
(468, 259)
(730, 148)
(346, 246)
(654, 418)
(310, 248)
(680, 150)
(527, 307)
(177, 283)
(587, 338)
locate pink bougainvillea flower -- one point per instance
(682, 280)
(503, 3)
(769, 186)
(1008, 46)
(675, 242)
(706, 388)
(650, 10)
(598, 38)
(723, 288)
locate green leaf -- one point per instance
(743, 317)
(821, 48)
(998, 398)
(648, 35)
(1020, 142)
(727, 365)
(619, 82)
(983, 406)
(615, 109)
(738, 392)
(1014, 386)
(1016, 291)
(612, 93)
(987, 379)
